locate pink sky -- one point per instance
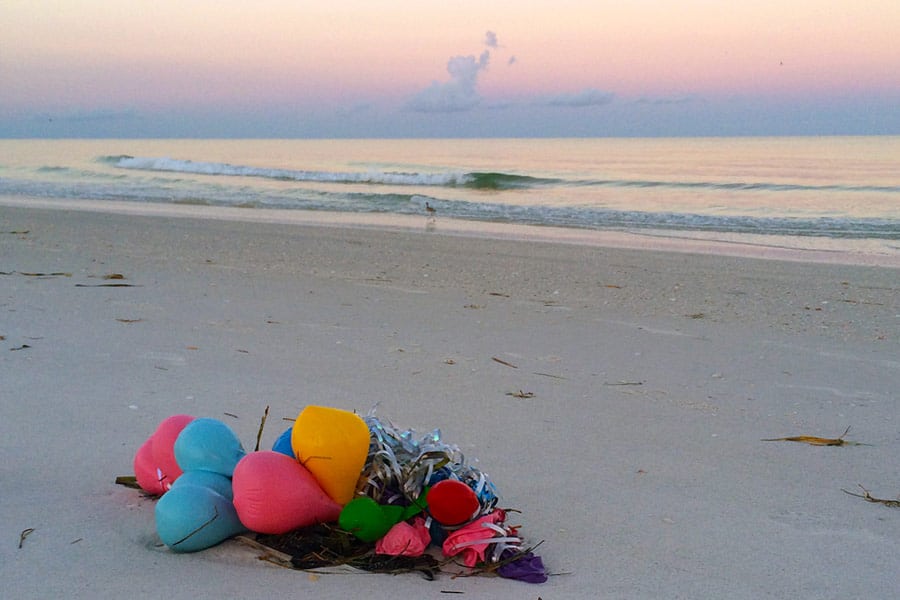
(68, 57)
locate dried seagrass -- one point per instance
(322, 546)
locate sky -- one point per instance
(422, 68)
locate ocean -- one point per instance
(837, 188)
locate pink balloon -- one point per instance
(154, 463)
(473, 540)
(405, 539)
(145, 469)
(273, 493)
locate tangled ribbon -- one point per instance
(400, 466)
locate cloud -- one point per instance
(90, 116)
(586, 97)
(459, 93)
(490, 39)
(663, 100)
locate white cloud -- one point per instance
(459, 93)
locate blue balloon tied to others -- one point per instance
(190, 518)
(214, 481)
(283, 443)
(208, 445)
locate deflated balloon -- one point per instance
(191, 518)
(405, 539)
(452, 502)
(283, 443)
(208, 445)
(370, 521)
(273, 493)
(155, 467)
(214, 481)
(333, 445)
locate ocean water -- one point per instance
(841, 188)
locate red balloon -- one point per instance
(273, 493)
(452, 502)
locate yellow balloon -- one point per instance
(333, 445)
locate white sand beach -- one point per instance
(637, 458)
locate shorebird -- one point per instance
(431, 211)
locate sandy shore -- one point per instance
(638, 459)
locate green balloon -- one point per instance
(365, 519)
(370, 521)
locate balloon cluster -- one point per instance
(381, 484)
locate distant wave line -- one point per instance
(475, 180)
(414, 203)
(748, 186)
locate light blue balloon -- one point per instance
(214, 481)
(208, 445)
(191, 518)
(283, 443)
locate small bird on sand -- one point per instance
(431, 211)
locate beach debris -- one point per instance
(25, 533)
(129, 320)
(262, 424)
(129, 481)
(869, 498)
(113, 276)
(849, 301)
(623, 383)
(503, 362)
(19, 232)
(548, 375)
(325, 546)
(336, 491)
(34, 274)
(817, 441)
(500, 294)
(54, 274)
(116, 285)
(22, 347)
(521, 394)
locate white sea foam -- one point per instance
(225, 169)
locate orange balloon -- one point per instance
(333, 445)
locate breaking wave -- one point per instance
(473, 180)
